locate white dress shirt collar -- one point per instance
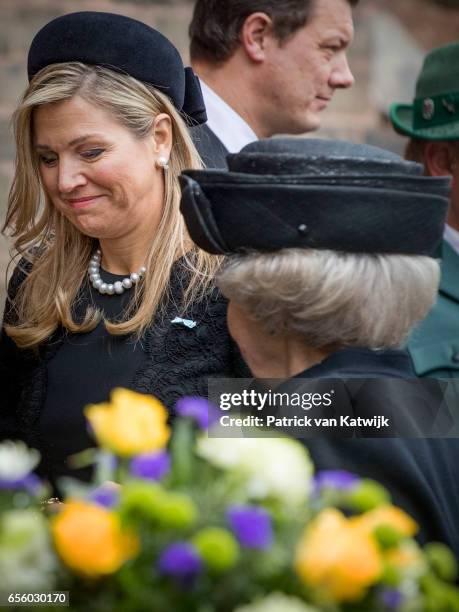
(225, 123)
(452, 238)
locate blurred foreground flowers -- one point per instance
(184, 521)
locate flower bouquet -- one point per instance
(180, 520)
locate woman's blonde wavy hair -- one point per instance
(59, 253)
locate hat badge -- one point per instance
(450, 106)
(428, 109)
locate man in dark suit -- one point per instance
(266, 67)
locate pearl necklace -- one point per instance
(107, 288)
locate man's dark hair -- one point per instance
(216, 24)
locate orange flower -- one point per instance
(89, 539)
(387, 515)
(337, 558)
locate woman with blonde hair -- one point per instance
(108, 290)
(329, 267)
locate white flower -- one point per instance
(16, 460)
(27, 562)
(277, 602)
(277, 467)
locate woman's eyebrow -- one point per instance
(73, 142)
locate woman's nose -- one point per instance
(70, 176)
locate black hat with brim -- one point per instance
(122, 44)
(316, 194)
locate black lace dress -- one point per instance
(45, 391)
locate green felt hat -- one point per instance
(434, 114)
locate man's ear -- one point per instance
(162, 135)
(438, 158)
(257, 28)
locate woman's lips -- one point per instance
(82, 202)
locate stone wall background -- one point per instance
(391, 40)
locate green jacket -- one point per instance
(434, 344)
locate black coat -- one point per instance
(421, 474)
(211, 149)
(171, 361)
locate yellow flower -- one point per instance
(132, 423)
(337, 558)
(387, 515)
(89, 539)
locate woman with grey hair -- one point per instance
(330, 266)
(315, 308)
(330, 252)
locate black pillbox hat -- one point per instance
(122, 44)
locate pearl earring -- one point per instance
(162, 162)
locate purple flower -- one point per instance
(151, 466)
(334, 479)
(199, 409)
(391, 598)
(180, 560)
(106, 495)
(251, 525)
(31, 483)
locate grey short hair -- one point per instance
(331, 298)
